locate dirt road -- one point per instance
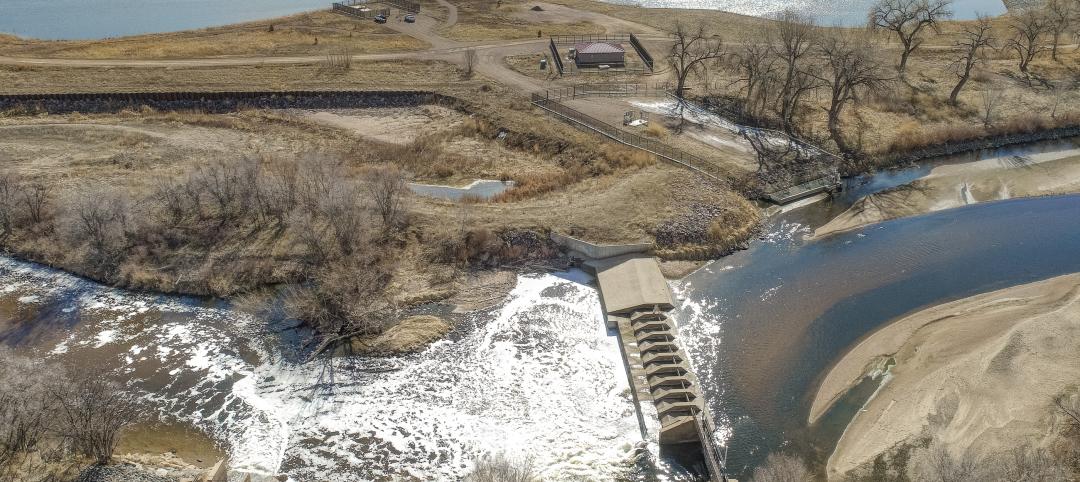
(491, 54)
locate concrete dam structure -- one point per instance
(670, 405)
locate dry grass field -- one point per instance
(512, 19)
(402, 73)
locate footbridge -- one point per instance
(670, 404)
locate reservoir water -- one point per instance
(827, 12)
(95, 19)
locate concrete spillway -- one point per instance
(671, 408)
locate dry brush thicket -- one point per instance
(225, 227)
(54, 419)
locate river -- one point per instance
(537, 376)
(765, 324)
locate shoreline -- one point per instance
(955, 185)
(961, 355)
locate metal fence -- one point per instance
(593, 124)
(406, 5)
(575, 70)
(576, 39)
(646, 57)
(624, 89)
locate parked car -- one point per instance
(410, 18)
(380, 18)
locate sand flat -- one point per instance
(979, 372)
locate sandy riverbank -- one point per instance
(976, 373)
(955, 185)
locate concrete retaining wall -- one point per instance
(220, 101)
(599, 251)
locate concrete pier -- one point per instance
(671, 408)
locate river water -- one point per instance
(765, 324)
(537, 376)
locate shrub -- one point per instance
(657, 130)
(498, 468)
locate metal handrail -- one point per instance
(574, 39)
(713, 460)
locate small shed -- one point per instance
(599, 53)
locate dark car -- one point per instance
(410, 18)
(380, 18)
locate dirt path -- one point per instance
(491, 53)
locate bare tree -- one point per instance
(171, 199)
(973, 40)
(9, 199)
(499, 468)
(1070, 408)
(793, 38)
(1029, 26)
(782, 468)
(908, 19)
(939, 465)
(755, 65)
(387, 188)
(92, 412)
(470, 58)
(850, 71)
(991, 98)
(1027, 464)
(221, 181)
(35, 196)
(28, 450)
(693, 51)
(1060, 14)
(101, 218)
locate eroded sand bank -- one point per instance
(957, 185)
(978, 373)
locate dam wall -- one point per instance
(217, 102)
(670, 404)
